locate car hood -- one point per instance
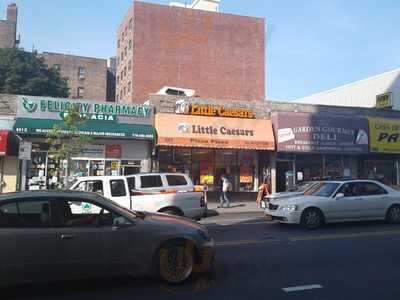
(283, 195)
(173, 221)
(296, 200)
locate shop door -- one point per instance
(283, 168)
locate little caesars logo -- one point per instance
(28, 105)
(186, 128)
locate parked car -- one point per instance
(43, 239)
(299, 189)
(338, 201)
(152, 192)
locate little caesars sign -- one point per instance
(51, 108)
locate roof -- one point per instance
(47, 193)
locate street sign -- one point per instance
(25, 150)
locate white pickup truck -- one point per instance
(169, 193)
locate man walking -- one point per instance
(226, 186)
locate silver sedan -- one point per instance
(68, 235)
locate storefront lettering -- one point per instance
(390, 138)
(220, 111)
(222, 130)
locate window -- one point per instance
(119, 43)
(124, 71)
(131, 183)
(150, 181)
(350, 189)
(57, 67)
(78, 213)
(130, 24)
(117, 61)
(175, 180)
(117, 188)
(121, 96)
(124, 90)
(117, 79)
(370, 188)
(117, 97)
(30, 213)
(122, 75)
(129, 87)
(81, 92)
(81, 73)
(125, 50)
(95, 186)
(129, 65)
(130, 44)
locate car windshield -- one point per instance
(324, 189)
(301, 187)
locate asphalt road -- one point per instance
(257, 259)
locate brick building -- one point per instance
(87, 76)
(218, 55)
(8, 28)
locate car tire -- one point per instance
(393, 214)
(175, 262)
(311, 218)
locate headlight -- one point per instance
(289, 208)
(204, 235)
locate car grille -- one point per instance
(272, 206)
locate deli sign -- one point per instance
(301, 132)
(384, 135)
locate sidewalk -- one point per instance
(235, 207)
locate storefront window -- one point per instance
(308, 167)
(247, 163)
(381, 170)
(203, 167)
(333, 166)
(96, 168)
(36, 177)
(112, 168)
(79, 168)
(226, 164)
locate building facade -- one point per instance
(218, 55)
(111, 78)
(8, 28)
(380, 91)
(87, 76)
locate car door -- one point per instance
(120, 193)
(349, 206)
(80, 239)
(28, 240)
(375, 200)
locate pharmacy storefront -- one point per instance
(122, 139)
(207, 141)
(315, 147)
(382, 163)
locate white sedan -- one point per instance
(338, 201)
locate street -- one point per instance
(257, 259)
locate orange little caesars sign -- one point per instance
(200, 131)
(183, 107)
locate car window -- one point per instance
(150, 181)
(26, 214)
(351, 189)
(95, 186)
(370, 188)
(131, 183)
(117, 188)
(82, 213)
(175, 180)
(325, 189)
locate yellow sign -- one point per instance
(114, 165)
(220, 111)
(384, 135)
(384, 100)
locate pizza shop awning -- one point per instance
(96, 129)
(214, 132)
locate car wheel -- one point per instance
(311, 218)
(393, 214)
(176, 262)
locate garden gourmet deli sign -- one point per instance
(56, 109)
(184, 107)
(297, 132)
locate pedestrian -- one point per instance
(262, 191)
(226, 187)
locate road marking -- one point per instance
(302, 288)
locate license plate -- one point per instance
(263, 204)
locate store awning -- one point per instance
(214, 132)
(4, 142)
(95, 129)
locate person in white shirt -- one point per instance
(224, 193)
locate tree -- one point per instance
(25, 73)
(65, 141)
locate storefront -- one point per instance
(313, 147)
(122, 139)
(211, 145)
(383, 162)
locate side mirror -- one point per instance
(121, 222)
(339, 196)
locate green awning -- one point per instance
(90, 128)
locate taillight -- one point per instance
(202, 201)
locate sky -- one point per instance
(311, 45)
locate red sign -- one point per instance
(113, 151)
(3, 141)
